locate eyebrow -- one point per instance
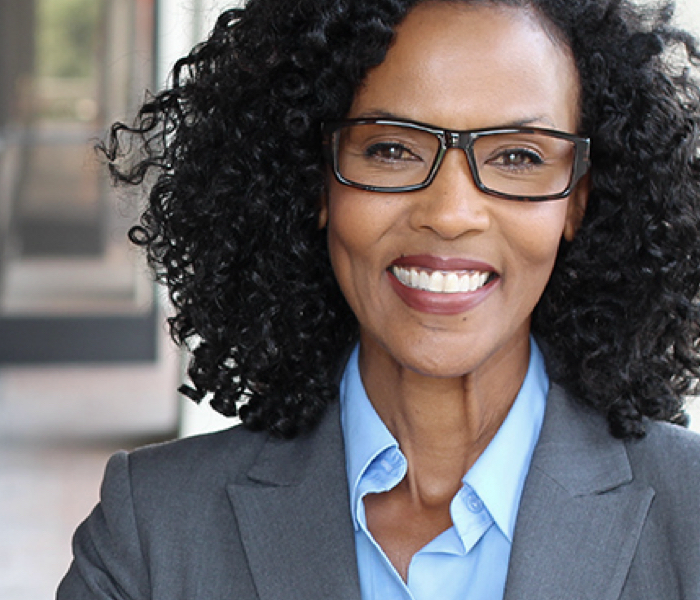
(382, 114)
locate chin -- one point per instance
(440, 366)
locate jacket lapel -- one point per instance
(292, 509)
(581, 512)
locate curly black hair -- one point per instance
(233, 151)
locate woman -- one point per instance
(398, 196)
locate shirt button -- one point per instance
(474, 503)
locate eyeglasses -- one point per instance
(517, 163)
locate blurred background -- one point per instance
(86, 367)
(85, 364)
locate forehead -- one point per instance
(463, 66)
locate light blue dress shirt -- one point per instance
(469, 561)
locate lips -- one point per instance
(441, 285)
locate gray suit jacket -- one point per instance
(242, 516)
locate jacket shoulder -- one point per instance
(195, 460)
(668, 457)
(164, 522)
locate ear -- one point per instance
(578, 200)
(323, 209)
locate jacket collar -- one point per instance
(581, 513)
(293, 511)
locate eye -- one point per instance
(516, 159)
(391, 152)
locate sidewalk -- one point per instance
(58, 427)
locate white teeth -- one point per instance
(474, 280)
(452, 283)
(441, 282)
(423, 280)
(437, 282)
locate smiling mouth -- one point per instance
(441, 282)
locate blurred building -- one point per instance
(70, 287)
(85, 364)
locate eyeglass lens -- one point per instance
(395, 156)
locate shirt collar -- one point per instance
(498, 476)
(365, 434)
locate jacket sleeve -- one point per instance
(108, 561)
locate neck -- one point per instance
(442, 424)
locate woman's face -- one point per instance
(456, 66)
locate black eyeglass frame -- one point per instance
(457, 139)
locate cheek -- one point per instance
(352, 239)
(347, 237)
(535, 238)
(360, 226)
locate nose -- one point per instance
(452, 205)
